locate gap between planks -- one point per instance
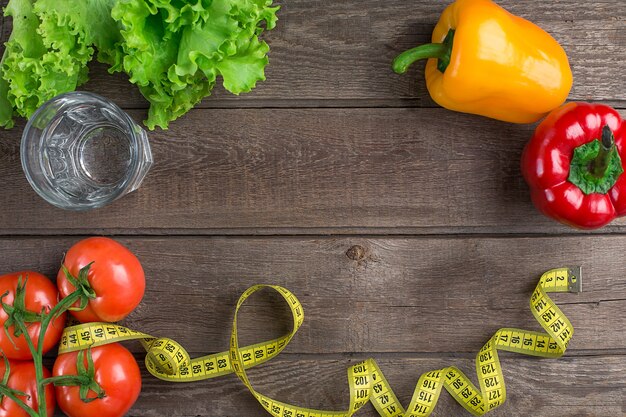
(302, 233)
(303, 103)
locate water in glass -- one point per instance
(80, 151)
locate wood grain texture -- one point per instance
(399, 295)
(401, 170)
(570, 386)
(344, 51)
(327, 51)
(406, 230)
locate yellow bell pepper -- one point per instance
(484, 60)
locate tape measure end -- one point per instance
(575, 279)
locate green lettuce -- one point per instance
(74, 27)
(6, 108)
(21, 62)
(48, 51)
(174, 50)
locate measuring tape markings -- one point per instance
(168, 360)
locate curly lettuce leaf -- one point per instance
(227, 44)
(26, 43)
(49, 49)
(6, 108)
(175, 50)
(33, 68)
(73, 26)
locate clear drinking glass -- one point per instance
(80, 151)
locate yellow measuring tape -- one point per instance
(168, 360)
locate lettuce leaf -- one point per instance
(41, 60)
(48, 51)
(6, 108)
(74, 26)
(26, 44)
(175, 50)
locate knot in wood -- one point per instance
(356, 253)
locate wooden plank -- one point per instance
(329, 50)
(593, 386)
(400, 295)
(400, 170)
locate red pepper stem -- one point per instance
(601, 162)
(441, 51)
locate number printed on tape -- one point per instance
(166, 359)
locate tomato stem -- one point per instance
(37, 361)
(56, 311)
(81, 282)
(17, 311)
(83, 293)
(84, 380)
(13, 394)
(8, 392)
(19, 316)
(37, 353)
(65, 380)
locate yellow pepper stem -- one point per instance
(441, 51)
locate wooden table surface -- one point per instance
(405, 229)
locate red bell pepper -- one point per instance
(574, 165)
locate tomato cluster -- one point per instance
(100, 280)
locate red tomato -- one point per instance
(115, 275)
(22, 378)
(40, 294)
(116, 372)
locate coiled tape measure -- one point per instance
(168, 360)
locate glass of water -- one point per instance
(80, 151)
